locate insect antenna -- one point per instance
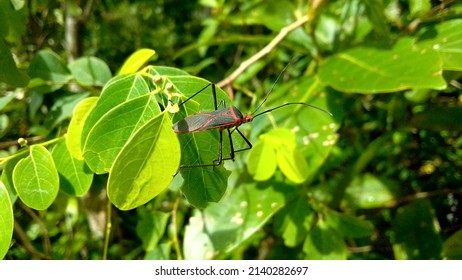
(293, 103)
(271, 89)
(290, 103)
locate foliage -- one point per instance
(379, 179)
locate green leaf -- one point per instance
(161, 252)
(112, 131)
(74, 131)
(118, 90)
(314, 131)
(145, 166)
(294, 221)
(196, 243)
(202, 184)
(373, 70)
(90, 71)
(419, 8)
(452, 247)
(446, 39)
(74, 175)
(47, 67)
(324, 243)
(416, 232)
(9, 72)
(234, 219)
(36, 179)
(6, 221)
(292, 164)
(135, 61)
(151, 227)
(348, 225)
(62, 108)
(7, 175)
(367, 191)
(261, 162)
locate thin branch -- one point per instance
(266, 50)
(176, 243)
(28, 246)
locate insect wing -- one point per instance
(205, 121)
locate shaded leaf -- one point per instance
(161, 252)
(90, 71)
(151, 227)
(415, 232)
(294, 221)
(438, 119)
(74, 175)
(452, 247)
(348, 225)
(10, 74)
(47, 67)
(324, 243)
(367, 191)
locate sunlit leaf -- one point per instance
(369, 70)
(114, 129)
(74, 131)
(261, 162)
(36, 179)
(146, 164)
(136, 61)
(6, 221)
(446, 39)
(235, 218)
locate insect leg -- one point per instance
(245, 139)
(219, 160)
(201, 90)
(231, 146)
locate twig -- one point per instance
(28, 246)
(266, 50)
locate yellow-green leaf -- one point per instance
(136, 60)
(74, 132)
(6, 221)
(146, 164)
(261, 162)
(36, 179)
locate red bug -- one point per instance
(222, 119)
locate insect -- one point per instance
(223, 119)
